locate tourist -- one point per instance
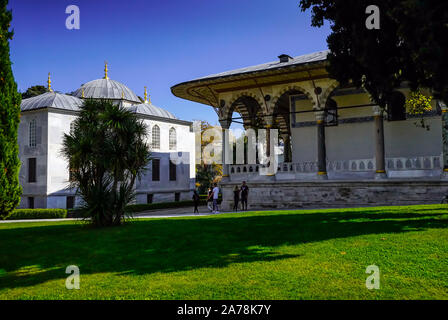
(196, 200)
(210, 199)
(215, 193)
(244, 194)
(236, 198)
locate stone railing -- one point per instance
(358, 165)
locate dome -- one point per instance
(51, 100)
(151, 110)
(107, 89)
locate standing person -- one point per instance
(244, 195)
(210, 199)
(196, 200)
(236, 198)
(215, 193)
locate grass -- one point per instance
(313, 254)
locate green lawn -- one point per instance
(314, 254)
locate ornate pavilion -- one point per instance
(339, 148)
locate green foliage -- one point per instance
(23, 214)
(34, 91)
(10, 189)
(418, 103)
(206, 174)
(411, 44)
(107, 153)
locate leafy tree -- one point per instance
(34, 91)
(107, 152)
(10, 189)
(206, 174)
(411, 44)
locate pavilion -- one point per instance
(339, 148)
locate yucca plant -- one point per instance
(107, 152)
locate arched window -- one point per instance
(156, 137)
(173, 139)
(72, 127)
(33, 133)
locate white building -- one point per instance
(44, 172)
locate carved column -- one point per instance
(444, 139)
(380, 158)
(225, 125)
(287, 147)
(321, 148)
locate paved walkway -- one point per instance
(162, 213)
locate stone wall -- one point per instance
(331, 194)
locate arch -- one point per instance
(294, 88)
(155, 137)
(248, 106)
(254, 96)
(172, 139)
(328, 91)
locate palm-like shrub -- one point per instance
(106, 152)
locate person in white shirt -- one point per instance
(215, 198)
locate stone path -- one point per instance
(163, 213)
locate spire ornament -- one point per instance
(105, 70)
(49, 82)
(146, 95)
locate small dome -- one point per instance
(51, 100)
(151, 110)
(106, 89)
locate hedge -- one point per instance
(23, 214)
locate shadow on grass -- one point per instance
(169, 245)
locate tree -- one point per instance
(106, 152)
(410, 45)
(10, 190)
(34, 91)
(206, 174)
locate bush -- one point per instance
(23, 214)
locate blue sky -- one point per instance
(157, 43)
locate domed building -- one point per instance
(45, 118)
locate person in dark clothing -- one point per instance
(236, 198)
(196, 200)
(244, 194)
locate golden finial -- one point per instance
(49, 82)
(122, 94)
(146, 95)
(105, 70)
(82, 93)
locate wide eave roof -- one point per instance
(205, 89)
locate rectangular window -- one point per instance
(173, 171)
(70, 202)
(155, 169)
(149, 198)
(32, 170)
(31, 202)
(177, 197)
(32, 133)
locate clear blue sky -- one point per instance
(157, 43)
